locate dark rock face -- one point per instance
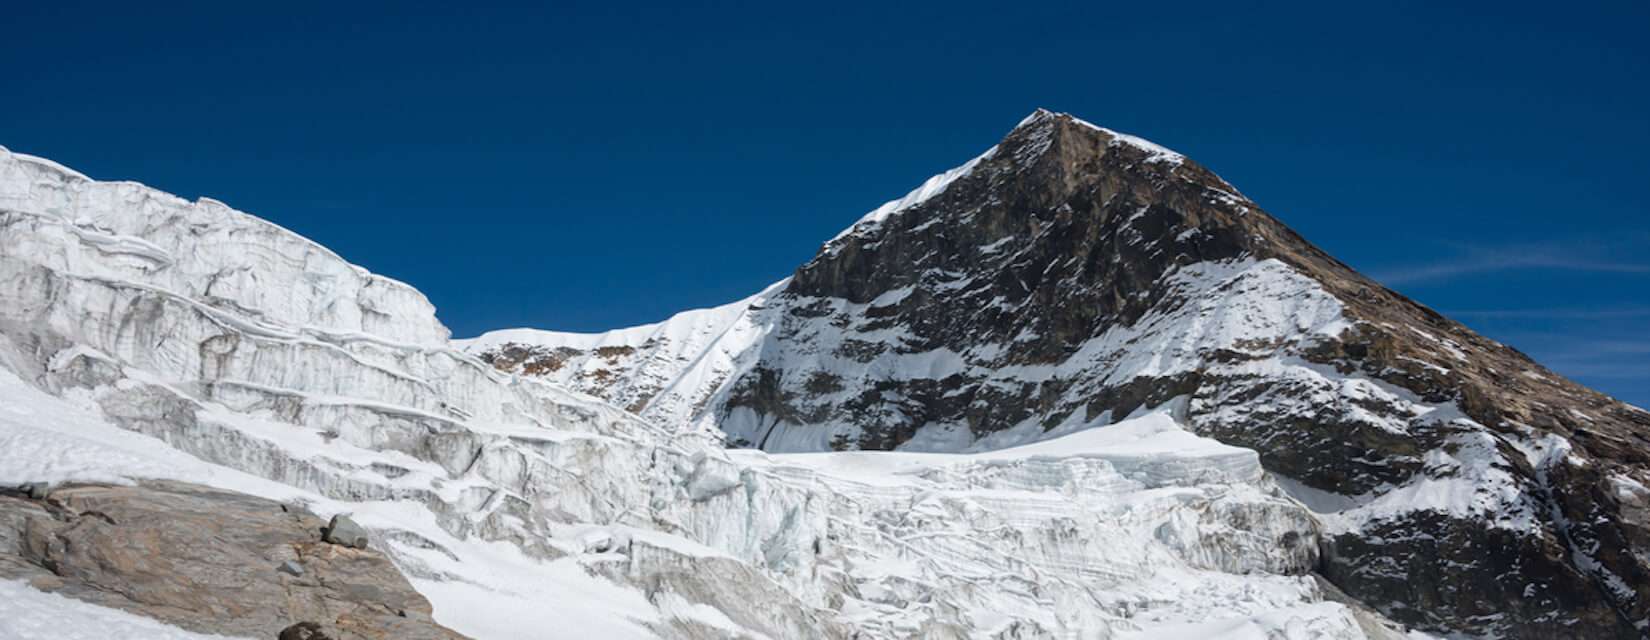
(1073, 275)
(1465, 576)
(605, 379)
(208, 561)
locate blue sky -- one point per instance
(591, 166)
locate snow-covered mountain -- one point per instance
(144, 337)
(1126, 403)
(1071, 277)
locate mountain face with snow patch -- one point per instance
(1072, 277)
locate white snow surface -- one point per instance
(146, 336)
(27, 614)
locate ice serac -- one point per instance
(1072, 275)
(147, 339)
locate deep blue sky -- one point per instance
(587, 167)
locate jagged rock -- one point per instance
(304, 631)
(344, 531)
(35, 490)
(187, 555)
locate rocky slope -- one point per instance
(1070, 276)
(209, 561)
(147, 339)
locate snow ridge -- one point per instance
(931, 187)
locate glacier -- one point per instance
(144, 335)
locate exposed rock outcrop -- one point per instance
(209, 561)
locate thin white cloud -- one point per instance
(1562, 257)
(1552, 314)
(1600, 370)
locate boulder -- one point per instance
(344, 531)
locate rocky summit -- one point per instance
(1071, 277)
(1077, 387)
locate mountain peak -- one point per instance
(1072, 276)
(1072, 144)
(1045, 122)
(1038, 115)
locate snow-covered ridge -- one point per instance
(665, 370)
(929, 188)
(713, 319)
(1158, 153)
(205, 250)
